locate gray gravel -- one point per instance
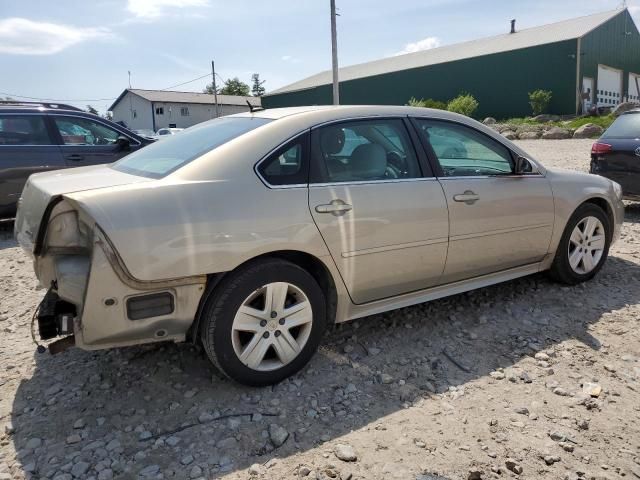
(539, 381)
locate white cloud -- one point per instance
(152, 9)
(424, 44)
(290, 59)
(20, 36)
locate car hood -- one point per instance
(42, 188)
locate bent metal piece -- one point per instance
(125, 276)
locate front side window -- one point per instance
(82, 131)
(163, 157)
(463, 151)
(367, 150)
(23, 130)
(286, 166)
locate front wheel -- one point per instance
(584, 245)
(264, 323)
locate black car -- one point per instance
(35, 137)
(616, 155)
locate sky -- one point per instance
(80, 51)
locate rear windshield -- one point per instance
(174, 151)
(625, 126)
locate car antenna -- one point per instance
(254, 108)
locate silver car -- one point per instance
(251, 233)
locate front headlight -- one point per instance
(617, 188)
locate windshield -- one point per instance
(626, 126)
(162, 158)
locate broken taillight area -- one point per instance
(55, 316)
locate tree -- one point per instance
(234, 86)
(427, 103)
(257, 90)
(90, 109)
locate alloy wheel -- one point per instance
(272, 326)
(586, 245)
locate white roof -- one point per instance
(529, 37)
(166, 96)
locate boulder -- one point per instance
(589, 130)
(545, 117)
(529, 135)
(489, 121)
(556, 133)
(625, 107)
(509, 134)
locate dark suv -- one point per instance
(36, 137)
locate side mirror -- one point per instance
(123, 143)
(523, 166)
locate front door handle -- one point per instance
(467, 197)
(336, 207)
(75, 157)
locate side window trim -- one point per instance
(433, 159)
(316, 180)
(304, 136)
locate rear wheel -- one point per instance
(584, 245)
(264, 323)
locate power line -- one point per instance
(79, 100)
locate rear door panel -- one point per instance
(19, 159)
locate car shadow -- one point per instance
(632, 212)
(153, 405)
(7, 239)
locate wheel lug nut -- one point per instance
(274, 314)
(263, 323)
(277, 333)
(265, 335)
(281, 321)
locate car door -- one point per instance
(498, 220)
(26, 147)
(384, 221)
(85, 141)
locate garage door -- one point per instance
(609, 86)
(634, 83)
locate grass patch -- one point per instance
(604, 121)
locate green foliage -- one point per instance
(257, 90)
(464, 104)
(234, 86)
(427, 103)
(539, 101)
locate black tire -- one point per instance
(561, 270)
(220, 309)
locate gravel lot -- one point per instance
(526, 379)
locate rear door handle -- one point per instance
(75, 157)
(336, 207)
(467, 197)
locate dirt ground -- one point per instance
(528, 379)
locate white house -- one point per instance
(155, 109)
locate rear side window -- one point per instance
(463, 151)
(363, 151)
(288, 165)
(23, 130)
(625, 126)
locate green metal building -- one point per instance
(584, 61)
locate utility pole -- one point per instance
(334, 54)
(129, 72)
(215, 90)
